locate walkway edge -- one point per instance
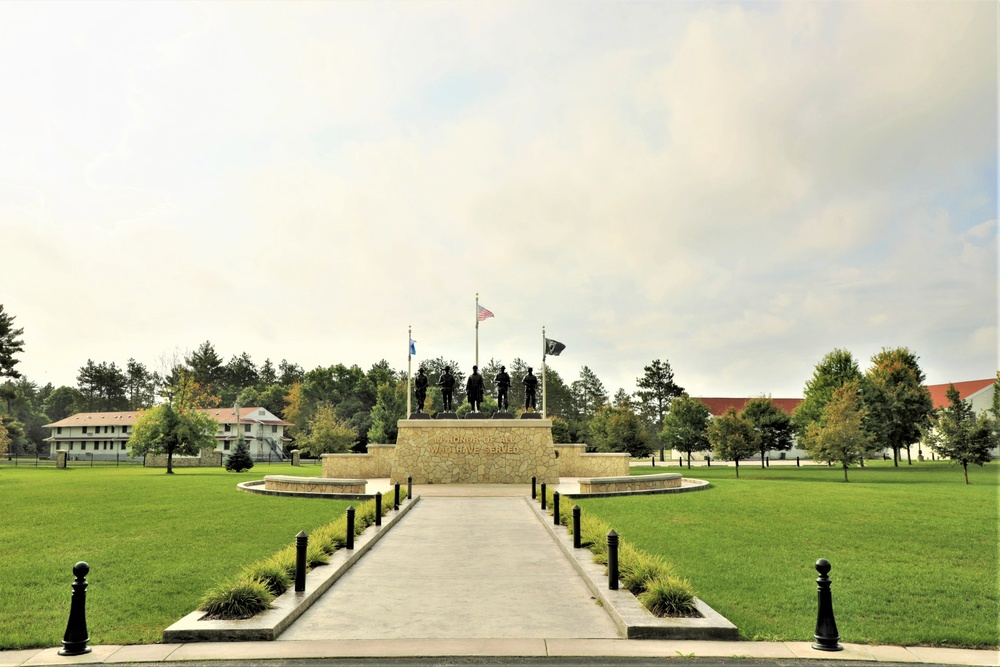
(633, 620)
(289, 605)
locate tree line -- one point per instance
(845, 414)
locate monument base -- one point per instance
(531, 415)
(488, 451)
(503, 415)
(419, 415)
(446, 415)
(475, 415)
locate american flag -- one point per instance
(484, 313)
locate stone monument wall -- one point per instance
(486, 451)
(574, 461)
(377, 463)
(209, 459)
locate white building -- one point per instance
(104, 435)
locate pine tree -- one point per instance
(239, 460)
(10, 345)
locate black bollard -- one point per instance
(409, 486)
(767, 461)
(576, 527)
(378, 508)
(826, 635)
(76, 637)
(350, 528)
(544, 503)
(555, 508)
(612, 560)
(395, 498)
(534, 488)
(798, 464)
(708, 459)
(301, 545)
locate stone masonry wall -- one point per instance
(313, 484)
(488, 451)
(209, 459)
(574, 461)
(375, 464)
(634, 483)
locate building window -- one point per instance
(123, 445)
(226, 447)
(246, 427)
(85, 430)
(274, 428)
(225, 427)
(58, 430)
(71, 446)
(124, 429)
(105, 429)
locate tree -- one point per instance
(268, 375)
(960, 435)
(840, 434)
(10, 344)
(5, 440)
(772, 426)
(589, 394)
(834, 370)
(389, 409)
(896, 399)
(166, 430)
(619, 430)
(656, 389)
(239, 374)
(207, 370)
(326, 433)
(62, 403)
(141, 385)
(560, 431)
(685, 426)
(732, 437)
(289, 373)
(239, 460)
(271, 398)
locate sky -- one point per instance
(735, 188)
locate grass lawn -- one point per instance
(914, 550)
(155, 544)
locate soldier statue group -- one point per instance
(475, 389)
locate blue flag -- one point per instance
(413, 346)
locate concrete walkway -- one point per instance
(459, 568)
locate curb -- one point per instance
(288, 606)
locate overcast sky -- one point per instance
(738, 188)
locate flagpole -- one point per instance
(544, 414)
(409, 368)
(477, 328)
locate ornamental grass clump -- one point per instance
(330, 537)
(639, 569)
(669, 596)
(272, 573)
(240, 599)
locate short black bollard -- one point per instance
(395, 497)
(555, 508)
(827, 638)
(652, 461)
(612, 560)
(350, 528)
(378, 508)
(543, 496)
(576, 527)
(708, 459)
(798, 464)
(409, 487)
(534, 487)
(76, 637)
(301, 545)
(767, 461)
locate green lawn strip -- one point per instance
(155, 544)
(914, 550)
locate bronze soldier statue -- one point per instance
(503, 384)
(530, 386)
(474, 389)
(420, 388)
(447, 384)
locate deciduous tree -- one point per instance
(897, 401)
(685, 426)
(326, 433)
(389, 409)
(840, 434)
(166, 430)
(772, 426)
(732, 437)
(619, 430)
(960, 435)
(834, 370)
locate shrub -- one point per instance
(316, 555)
(243, 598)
(638, 568)
(330, 537)
(272, 573)
(669, 596)
(285, 559)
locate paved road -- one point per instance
(469, 568)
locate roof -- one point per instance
(718, 406)
(221, 415)
(965, 390)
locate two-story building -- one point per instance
(104, 435)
